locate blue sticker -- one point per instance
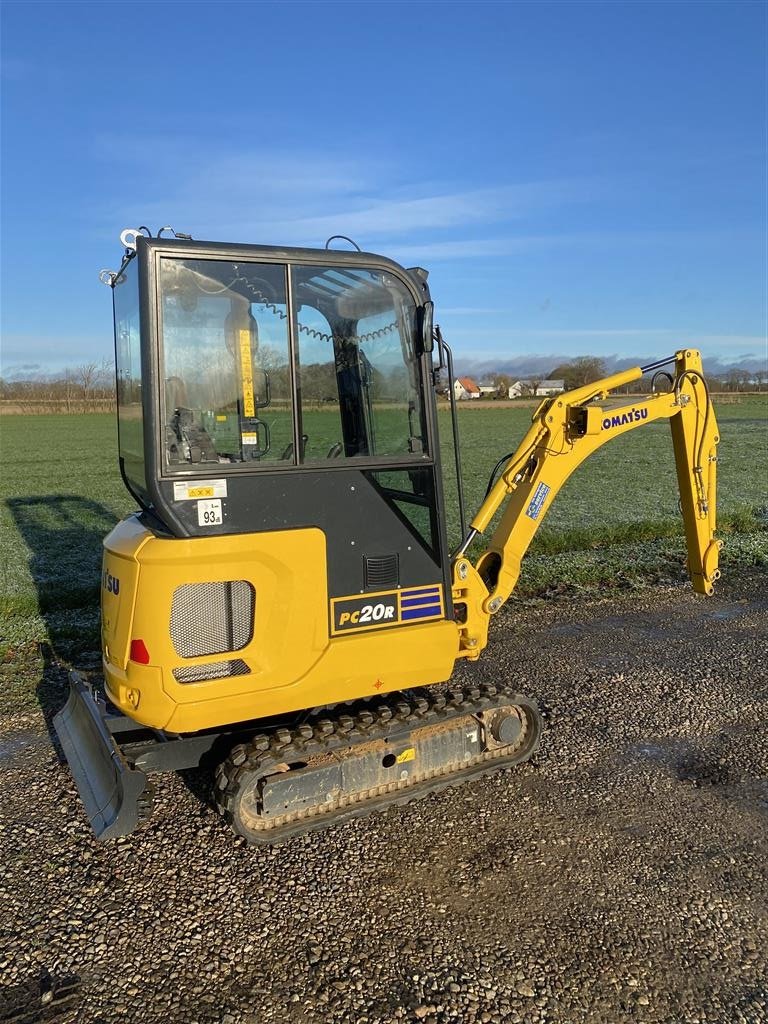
(537, 501)
(425, 603)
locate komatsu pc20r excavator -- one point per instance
(283, 600)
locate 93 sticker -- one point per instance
(209, 512)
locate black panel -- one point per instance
(350, 510)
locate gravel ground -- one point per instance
(620, 876)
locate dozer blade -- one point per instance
(108, 786)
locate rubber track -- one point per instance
(382, 718)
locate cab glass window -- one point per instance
(128, 365)
(226, 395)
(357, 368)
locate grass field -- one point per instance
(615, 523)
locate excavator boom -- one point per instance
(566, 430)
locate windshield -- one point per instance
(241, 388)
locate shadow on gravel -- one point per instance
(64, 534)
(43, 997)
(684, 761)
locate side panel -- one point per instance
(350, 668)
(344, 504)
(119, 586)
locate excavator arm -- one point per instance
(565, 431)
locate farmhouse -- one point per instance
(536, 388)
(465, 387)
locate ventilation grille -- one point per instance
(382, 572)
(212, 618)
(216, 670)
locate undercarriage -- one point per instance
(389, 751)
(288, 778)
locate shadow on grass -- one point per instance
(64, 534)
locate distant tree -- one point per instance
(534, 384)
(503, 383)
(738, 379)
(86, 376)
(580, 371)
(442, 383)
(318, 381)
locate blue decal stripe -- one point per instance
(422, 592)
(422, 613)
(414, 602)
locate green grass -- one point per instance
(616, 522)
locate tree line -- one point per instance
(89, 387)
(587, 369)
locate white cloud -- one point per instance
(271, 196)
(471, 311)
(489, 343)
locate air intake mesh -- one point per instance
(214, 670)
(212, 618)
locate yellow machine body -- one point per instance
(295, 658)
(291, 661)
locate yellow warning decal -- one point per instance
(184, 491)
(409, 754)
(221, 419)
(246, 368)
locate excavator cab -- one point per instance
(265, 389)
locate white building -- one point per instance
(536, 389)
(465, 387)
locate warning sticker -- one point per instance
(246, 369)
(250, 437)
(409, 754)
(184, 490)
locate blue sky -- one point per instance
(577, 177)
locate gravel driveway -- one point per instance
(620, 876)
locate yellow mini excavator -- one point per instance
(282, 602)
